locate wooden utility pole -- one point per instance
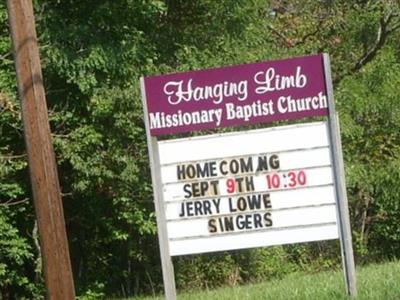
(42, 163)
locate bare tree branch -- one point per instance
(381, 37)
(14, 202)
(312, 33)
(17, 156)
(285, 39)
(66, 194)
(5, 56)
(297, 41)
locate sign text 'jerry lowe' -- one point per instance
(239, 95)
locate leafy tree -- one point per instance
(369, 106)
(93, 54)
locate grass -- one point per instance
(373, 282)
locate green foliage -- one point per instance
(265, 264)
(373, 282)
(251, 265)
(197, 272)
(93, 292)
(15, 256)
(93, 54)
(369, 106)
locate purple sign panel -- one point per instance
(237, 95)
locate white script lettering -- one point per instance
(178, 91)
(269, 81)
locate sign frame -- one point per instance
(154, 157)
(339, 189)
(340, 186)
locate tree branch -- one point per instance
(66, 194)
(381, 37)
(285, 39)
(312, 33)
(12, 202)
(382, 34)
(296, 42)
(4, 56)
(12, 156)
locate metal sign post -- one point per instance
(166, 260)
(342, 204)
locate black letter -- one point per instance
(274, 161)
(267, 200)
(187, 189)
(224, 162)
(246, 167)
(267, 219)
(257, 221)
(180, 170)
(211, 226)
(262, 164)
(182, 213)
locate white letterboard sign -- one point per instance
(248, 189)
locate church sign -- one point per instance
(248, 188)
